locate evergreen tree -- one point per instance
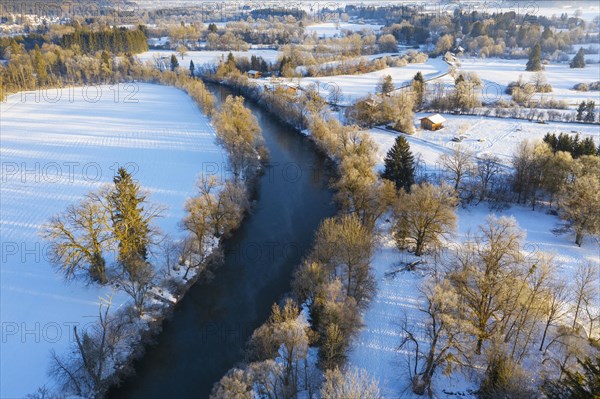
(535, 59)
(131, 223)
(580, 111)
(40, 66)
(174, 62)
(579, 60)
(212, 28)
(590, 115)
(418, 86)
(192, 68)
(400, 165)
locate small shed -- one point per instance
(254, 74)
(433, 122)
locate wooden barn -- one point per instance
(433, 122)
(254, 74)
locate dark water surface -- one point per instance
(210, 326)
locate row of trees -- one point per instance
(116, 40)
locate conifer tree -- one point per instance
(174, 62)
(580, 111)
(131, 224)
(192, 68)
(590, 115)
(579, 60)
(400, 165)
(418, 86)
(535, 59)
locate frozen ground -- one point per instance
(332, 29)
(52, 154)
(376, 347)
(354, 87)
(497, 73)
(207, 57)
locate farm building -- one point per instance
(433, 122)
(254, 74)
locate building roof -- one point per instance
(436, 118)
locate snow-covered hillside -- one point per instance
(52, 154)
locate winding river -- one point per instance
(208, 331)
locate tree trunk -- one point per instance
(579, 238)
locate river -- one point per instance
(208, 331)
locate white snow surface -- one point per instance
(497, 73)
(483, 135)
(52, 154)
(354, 87)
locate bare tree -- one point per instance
(424, 216)
(236, 384)
(556, 301)
(89, 369)
(488, 167)
(441, 334)
(80, 237)
(138, 287)
(459, 163)
(344, 246)
(481, 275)
(585, 293)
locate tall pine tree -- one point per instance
(131, 222)
(400, 165)
(579, 60)
(535, 59)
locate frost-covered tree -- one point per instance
(580, 206)
(352, 384)
(238, 131)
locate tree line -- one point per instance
(116, 40)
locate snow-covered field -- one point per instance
(497, 73)
(52, 154)
(354, 87)
(333, 29)
(498, 136)
(376, 347)
(208, 57)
